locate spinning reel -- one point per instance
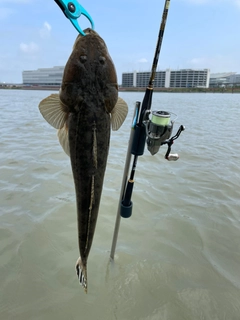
(158, 132)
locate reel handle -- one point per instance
(172, 157)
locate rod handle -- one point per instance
(128, 194)
(126, 211)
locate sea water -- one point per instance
(177, 257)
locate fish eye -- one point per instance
(83, 59)
(102, 59)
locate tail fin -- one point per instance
(81, 270)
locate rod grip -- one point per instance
(126, 211)
(139, 140)
(128, 194)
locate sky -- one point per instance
(199, 34)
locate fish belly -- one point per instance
(89, 143)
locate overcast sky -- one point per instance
(199, 34)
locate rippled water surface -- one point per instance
(177, 257)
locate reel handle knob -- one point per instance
(173, 157)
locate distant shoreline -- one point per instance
(133, 89)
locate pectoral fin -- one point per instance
(119, 114)
(63, 139)
(53, 111)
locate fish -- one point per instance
(84, 111)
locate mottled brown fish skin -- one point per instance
(89, 90)
(89, 75)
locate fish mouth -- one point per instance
(88, 32)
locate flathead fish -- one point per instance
(83, 111)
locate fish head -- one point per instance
(89, 73)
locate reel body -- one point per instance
(158, 130)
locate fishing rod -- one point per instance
(155, 132)
(141, 130)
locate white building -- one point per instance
(234, 79)
(222, 79)
(44, 76)
(184, 78)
